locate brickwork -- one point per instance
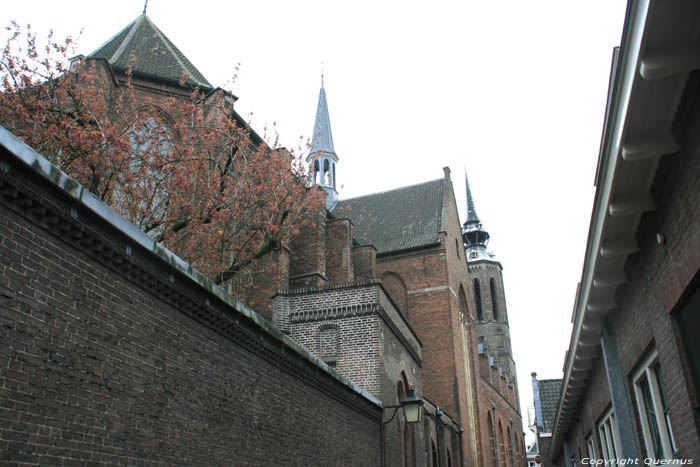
(374, 343)
(111, 355)
(365, 262)
(308, 260)
(339, 254)
(433, 278)
(270, 274)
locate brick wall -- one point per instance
(373, 342)
(339, 255)
(365, 262)
(307, 267)
(112, 355)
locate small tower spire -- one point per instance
(145, 6)
(322, 156)
(474, 236)
(472, 218)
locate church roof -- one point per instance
(322, 140)
(144, 48)
(396, 220)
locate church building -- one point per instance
(385, 293)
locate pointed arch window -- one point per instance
(316, 170)
(477, 300)
(494, 300)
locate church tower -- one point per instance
(498, 391)
(487, 292)
(322, 157)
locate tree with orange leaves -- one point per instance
(188, 174)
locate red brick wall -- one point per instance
(365, 262)
(111, 355)
(339, 255)
(307, 267)
(433, 278)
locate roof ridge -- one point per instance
(390, 190)
(120, 50)
(175, 55)
(105, 43)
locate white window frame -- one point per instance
(609, 439)
(647, 374)
(590, 448)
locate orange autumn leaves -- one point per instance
(184, 167)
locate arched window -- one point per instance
(492, 441)
(510, 453)
(326, 173)
(477, 300)
(502, 454)
(494, 301)
(316, 170)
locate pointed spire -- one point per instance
(322, 140)
(475, 237)
(145, 6)
(322, 155)
(472, 218)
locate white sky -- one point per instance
(514, 91)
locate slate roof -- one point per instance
(549, 396)
(396, 220)
(149, 52)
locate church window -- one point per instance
(457, 248)
(494, 301)
(477, 300)
(316, 170)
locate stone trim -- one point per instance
(350, 311)
(432, 289)
(326, 287)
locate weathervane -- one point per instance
(321, 73)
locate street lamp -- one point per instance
(412, 407)
(412, 410)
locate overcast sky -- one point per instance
(513, 91)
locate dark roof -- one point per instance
(149, 52)
(549, 396)
(396, 220)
